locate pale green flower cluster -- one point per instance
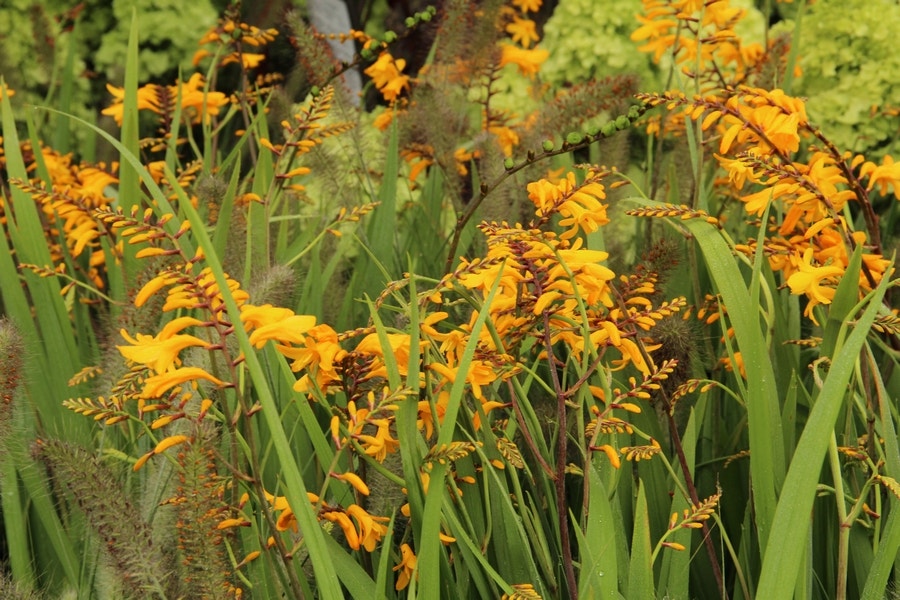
(590, 39)
(848, 53)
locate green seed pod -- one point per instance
(547, 145)
(431, 10)
(366, 54)
(593, 131)
(634, 112)
(409, 22)
(508, 164)
(425, 16)
(314, 91)
(608, 129)
(622, 122)
(574, 138)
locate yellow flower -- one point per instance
(248, 60)
(527, 5)
(579, 205)
(156, 386)
(160, 352)
(198, 102)
(506, 137)
(291, 330)
(426, 418)
(399, 347)
(386, 75)
(639, 453)
(808, 279)
(147, 99)
(528, 61)
(381, 444)
(610, 454)
(738, 360)
(523, 32)
(884, 176)
(658, 33)
(407, 566)
(371, 528)
(778, 116)
(738, 171)
(480, 373)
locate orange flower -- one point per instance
(885, 176)
(156, 386)
(407, 567)
(528, 61)
(527, 5)
(808, 279)
(198, 102)
(523, 32)
(386, 75)
(160, 352)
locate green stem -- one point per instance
(844, 530)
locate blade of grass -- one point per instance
(129, 177)
(383, 570)
(15, 520)
(351, 574)
(675, 573)
(640, 570)
(223, 223)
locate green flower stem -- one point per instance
(844, 529)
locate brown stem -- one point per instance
(688, 480)
(695, 500)
(561, 451)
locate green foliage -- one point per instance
(169, 30)
(848, 55)
(590, 39)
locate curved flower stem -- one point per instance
(844, 523)
(635, 112)
(526, 433)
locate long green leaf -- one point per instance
(599, 575)
(767, 459)
(640, 571)
(791, 519)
